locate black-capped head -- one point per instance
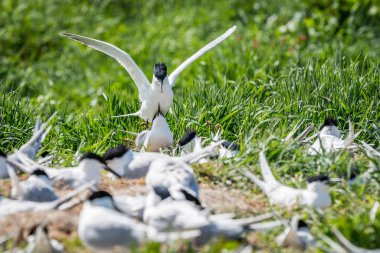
(160, 71)
(2, 154)
(318, 178)
(230, 145)
(92, 156)
(190, 197)
(116, 152)
(330, 122)
(302, 224)
(187, 137)
(45, 154)
(162, 192)
(39, 172)
(99, 195)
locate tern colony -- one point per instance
(172, 208)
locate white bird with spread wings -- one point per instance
(159, 94)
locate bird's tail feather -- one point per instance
(203, 153)
(57, 203)
(348, 245)
(16, 187)
(253, 178)
(349, 142)
(262, 226)
(265, 169)
(127, 115)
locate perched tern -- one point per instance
(190, 142)
(329, 138)
(316, 195)
(102, 227)
(296, 235)
(30, 148)
(170, 215)
(134, 165)
(159, 136)
(170, 173)
(10, 206)
(160, 91)
(38, 187)
(89, 169)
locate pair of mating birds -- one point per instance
(157, 97)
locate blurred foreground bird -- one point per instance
(296, 235)
(102, 227)
(10, 206)
(160, 91)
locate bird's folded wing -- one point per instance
(173, 76)
(122, 57)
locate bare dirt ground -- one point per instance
(63, 224)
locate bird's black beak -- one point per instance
(112, 171)
(162, 83)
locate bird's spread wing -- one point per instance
(122, 57)
(173, 76)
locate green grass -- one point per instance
(288, 64)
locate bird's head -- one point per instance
(160, 72)
(94, 162)
(330, 127)
(116, 158)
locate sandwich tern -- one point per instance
(30, 148)
(190, 142)
(89, 169)
(316, 195)
(170, 215)
(160, 91)
(10, 206)
(38, 187)
(170, 173)
(130, 164)
(159, 136)
(102, 227)
(329, 138)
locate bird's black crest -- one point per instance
(3, 154)
(190, 197)
(39, 172)
(92, 156)
(354, 173)
(330, 122)
(320, 178)
(45, 153)
(160, 71)
(187, 137)
(99, 194)
(302, 224)
(116, 152)
(162, 191)
(230, 145)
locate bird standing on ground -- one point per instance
(160, 91)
